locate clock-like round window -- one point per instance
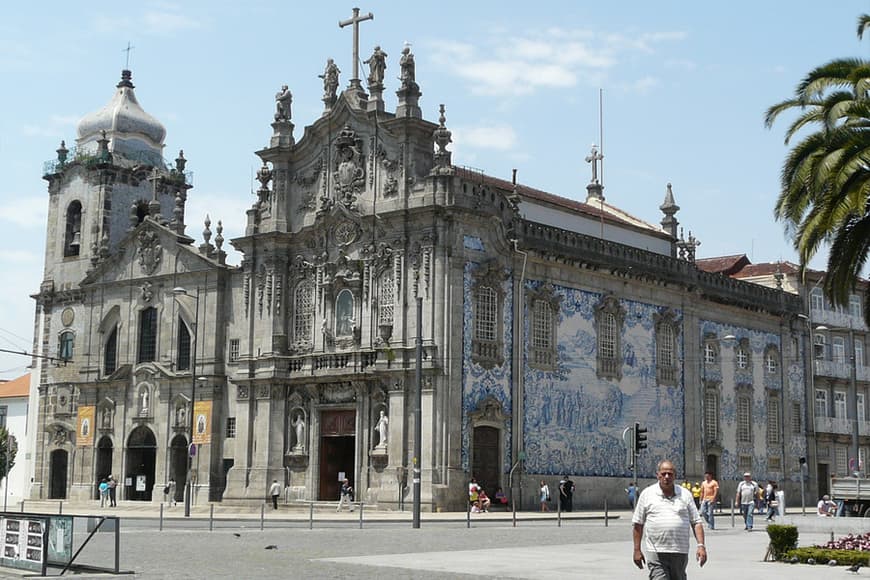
(68, 316)
(345, 233)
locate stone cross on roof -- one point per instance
(594, 157)
(355, 20)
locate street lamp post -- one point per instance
(188, 487)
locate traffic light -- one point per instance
(639, 438)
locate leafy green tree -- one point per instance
(8, 451)
(825, 197)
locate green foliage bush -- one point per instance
(822, 555)
(782, 539)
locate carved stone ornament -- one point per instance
(150, 252)
(345, 233)
(243, 392)
(338, 393)
(61, 436)
(489, 411)
(349, 169)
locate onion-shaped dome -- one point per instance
(132, 132)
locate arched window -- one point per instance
(147, 335)
(183, 362)
(72, 241)
(110, 352)
(667, 368)
(609, 318)
(66, 345)
(486, 315)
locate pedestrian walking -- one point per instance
(662, 520)
(631, 492)
(747, 491)
(566, 494)
(545, 496)
(345, 495)
(275, 491)
(709, 493)
(770, 498)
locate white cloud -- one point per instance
(168, 21)
(26, 212)
(498, 137)
(555, 58)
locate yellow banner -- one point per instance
(202, 422)
(85, 433)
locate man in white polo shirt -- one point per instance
(662, 518)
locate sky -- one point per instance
(684, 84)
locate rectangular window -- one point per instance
(796, 419)
(542, 325)
(840, 405)
(66, 346)
(607, 338)
(147, 335)
(744, 463)
(4, 412)
(303, 313)
(855, 305)
(710, 353)
(774, 430)
(819, 346)
(817, 300)
(771, 364)
(840, 460)
(110, 360)
(234, 349)
(183, 346)
(859, 352)
(485, 323)
(838, 352)
(860, 403)
(742, 358)
(711, 415)
(231, 427)
(744, 419)
(774, 463)
(386, 304)
(821, 403)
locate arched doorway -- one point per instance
(178, 465)
(104, 462)
(486, 459)
(58, 463)
(141, 459)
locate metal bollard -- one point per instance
(605, 512)
(514, 517)
(361, 504)
(60, 507)
(22, 506)
(311, 516)
(732, 513)
(160, 527)
(468, 516)
(262, 515)
(559, 516)
(211, 518)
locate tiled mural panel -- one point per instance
(478, 382)
(574, 421)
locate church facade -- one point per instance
(546, 326)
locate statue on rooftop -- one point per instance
(330, 81)
(283, 100)
(377, 65)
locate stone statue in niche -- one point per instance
(181, 415)
(383, 429)
(344, 319)
(143, 401)
(106, 418)
(299, 428)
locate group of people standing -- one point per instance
(108, 496)
(566, 495)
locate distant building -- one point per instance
(548, 324)
(13, 415)
(837, 338)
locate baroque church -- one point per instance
(546, 324)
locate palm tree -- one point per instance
(825, 197)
